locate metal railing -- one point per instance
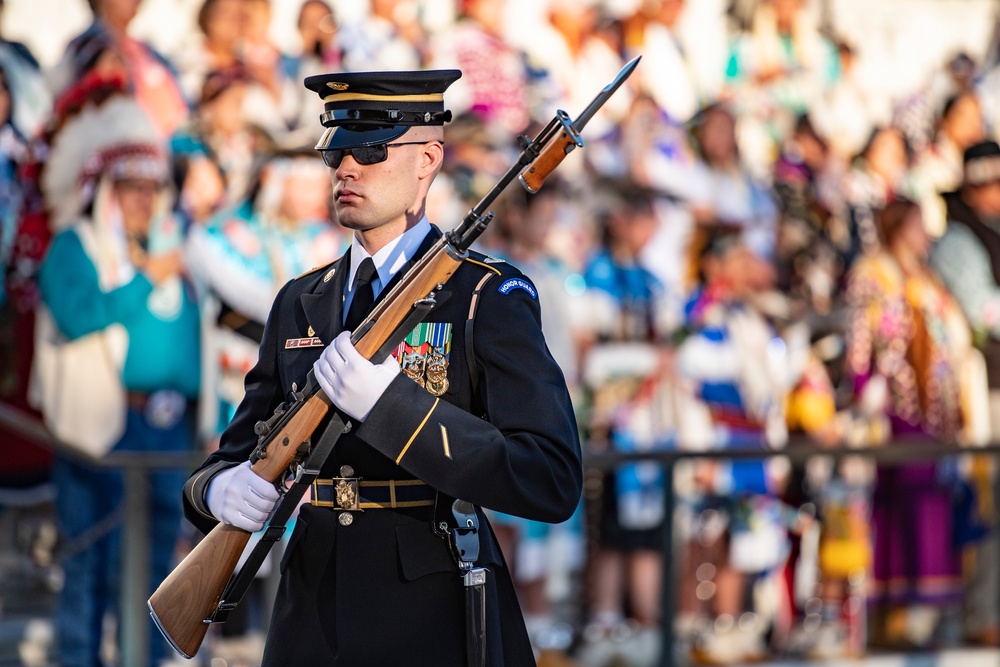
(798, 451)
(134, 625)
(134, 617)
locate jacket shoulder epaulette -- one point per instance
(311, 271)
(493, 264)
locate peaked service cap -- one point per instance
(368, 108)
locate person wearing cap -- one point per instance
(470, 406)
(968, 260)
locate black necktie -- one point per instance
(364, 295)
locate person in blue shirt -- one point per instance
(624, 364)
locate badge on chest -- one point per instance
(311, 341)
(425, 354)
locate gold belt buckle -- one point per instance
(345, 493)
(345, 490)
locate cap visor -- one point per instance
(341, 137)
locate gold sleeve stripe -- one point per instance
(365, 97)
(485, 266)
(444, 439)
(417, 432)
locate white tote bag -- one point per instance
(77, 385)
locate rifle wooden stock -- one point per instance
(182, 606)
(188, 597)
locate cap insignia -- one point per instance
(337, 85)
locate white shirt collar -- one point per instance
(391, 257)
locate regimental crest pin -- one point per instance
(424, 356)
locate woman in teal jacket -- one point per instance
(117, 262)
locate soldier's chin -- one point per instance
(347, 220)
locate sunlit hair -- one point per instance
(892, 216)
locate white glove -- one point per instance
(353, 383)
(240, 497)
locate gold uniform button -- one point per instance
(345, 518)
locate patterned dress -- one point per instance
(904, 332)
(739, 371)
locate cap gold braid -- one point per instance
(367, 97)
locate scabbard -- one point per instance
(475, 616)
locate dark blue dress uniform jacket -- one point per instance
(385, 589)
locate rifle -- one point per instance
(203, 588)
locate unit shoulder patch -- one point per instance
(512, 284)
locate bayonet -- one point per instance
(605, 95)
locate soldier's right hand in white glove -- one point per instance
(240, 497)
(353, 383)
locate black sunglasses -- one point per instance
(363, 154)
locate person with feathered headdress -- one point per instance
(115, 263)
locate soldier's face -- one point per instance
(392, 192)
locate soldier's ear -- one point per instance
(431, 158)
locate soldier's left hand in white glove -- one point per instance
(353, 383)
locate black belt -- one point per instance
(354, 493)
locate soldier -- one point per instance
(480, 412)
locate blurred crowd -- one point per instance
(752, 247)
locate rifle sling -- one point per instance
(238, 584)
